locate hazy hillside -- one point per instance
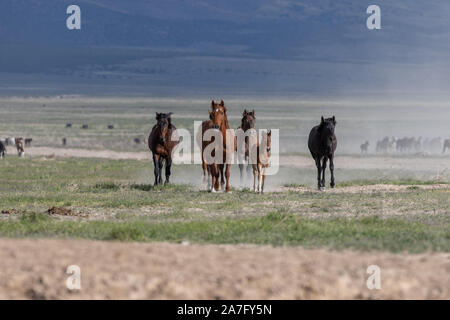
(252, 46)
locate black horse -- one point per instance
(161, 145)
(2, 149)
(322, 144)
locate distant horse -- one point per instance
(219, 121)
(64, 141)
(247, 122)
(383, 145)
(2, 150)
(84, 126)
(161, 145)
(20, 147)
(364, 147)
(28, 142)
(263, 161)
(446, 145)
(110, 126)
(68, 125)
(322, 143)
(137, 140)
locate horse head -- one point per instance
(163, 124)
(218, 115)
(248, 120)
(327, 131)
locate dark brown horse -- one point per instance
(218, 121)
(161, 145)
(247, 123)
(322, 144)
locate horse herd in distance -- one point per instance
(409, 145)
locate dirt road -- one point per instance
(36, 269)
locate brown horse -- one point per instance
(218, 120)
(20, 147)
(161, 145)
(247, 123)
(263, 161)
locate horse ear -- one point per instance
(244, 113)
(212, 104)
(322, 120)
(158, 116)
(222, 103)
(253, 112)
(269, 132)
(334, 120)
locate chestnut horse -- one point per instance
(161, 145)
(263, 161)
(247, 122)
(20, 147)
(322, 144)
(218, 120)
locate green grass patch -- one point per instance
(275, 228)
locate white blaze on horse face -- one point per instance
(274, 160)
(216, 146)
(181, 154)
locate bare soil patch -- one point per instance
(65, 212)
(36, 269)
(10, 211)
(370, 188)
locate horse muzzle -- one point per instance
(215, 126)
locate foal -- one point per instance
(263, 161)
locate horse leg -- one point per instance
(318, 172)
(255, 172)
(161, 163)
(211, 171)
(227, 175)
(241, 171)
(332, 171)
(156, 169)
(168, 165)
(204, 167)
(324, 167)
(263, 179)
(209, 177)
(222, 179)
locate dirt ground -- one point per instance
(36, 269)
(440, 165)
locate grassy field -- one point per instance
(112, 200)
